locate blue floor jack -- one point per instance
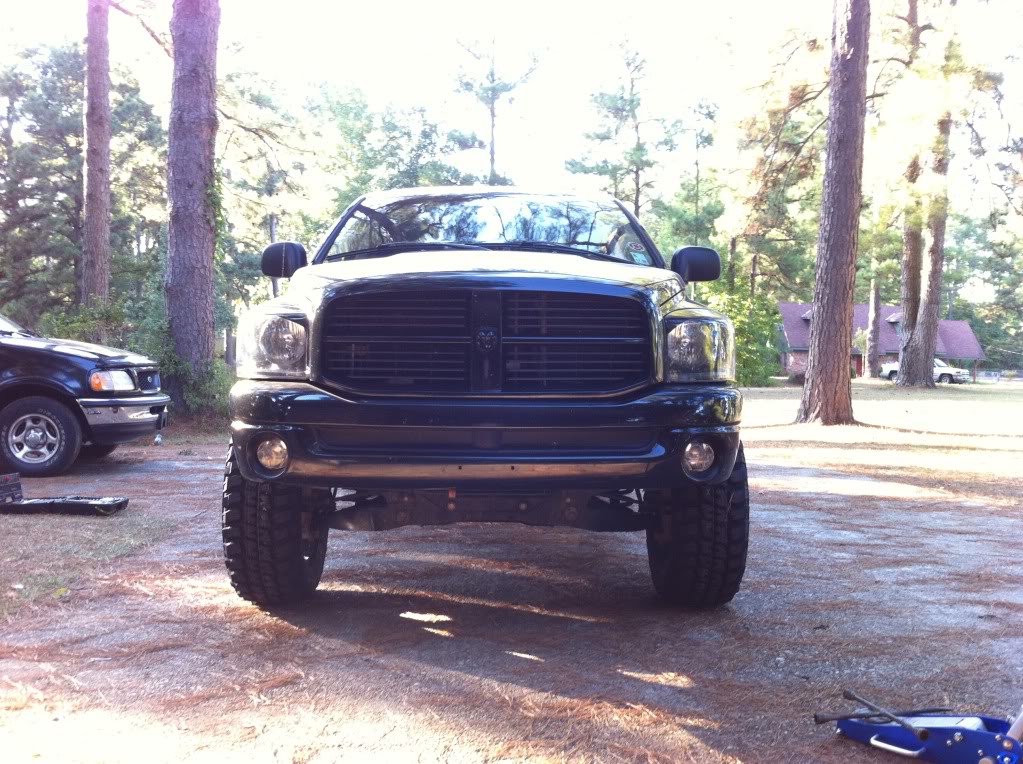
(931, 734)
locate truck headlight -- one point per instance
(271, 346)
(699, 350)
(116, 381)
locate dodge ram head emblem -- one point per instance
(486, 339)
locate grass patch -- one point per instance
(44, 556)
(973, 409)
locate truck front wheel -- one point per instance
(698, 542)
(275, 542)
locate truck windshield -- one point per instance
(493, 221)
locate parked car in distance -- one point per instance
(61, 399)
(486, 355)
(942, 372)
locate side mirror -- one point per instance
(281, 259)
(696, 264)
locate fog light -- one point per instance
(697, 457)
(272, 453)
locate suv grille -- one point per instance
(487, 341)
(149, 380)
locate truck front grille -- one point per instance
(392, 341)
(489, 342)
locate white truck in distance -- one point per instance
(942, 372)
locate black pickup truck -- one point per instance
(60, 399)
(486, 355)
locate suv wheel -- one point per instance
(39, 436)
(698, 542)
(945, 379)
(892, 375)
(275, 542)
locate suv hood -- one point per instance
(104, 356)
(484, 265)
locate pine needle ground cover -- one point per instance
(884, 558)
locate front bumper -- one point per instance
(485, 445)
(119, 420)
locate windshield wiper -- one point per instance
(392, 247)
(546, 246)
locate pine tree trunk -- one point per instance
(827, 394)
(275, 286)
(753, 262)
(731, 264)
(921, 345)
(493, 140)
(492, 96)
(637, 184)
(191, 143)
(96, 243)
(912, 253)
(872, 365)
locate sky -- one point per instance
(410, 55)
(404, 53)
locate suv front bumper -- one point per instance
(119, 420)
(484, 444)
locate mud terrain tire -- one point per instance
(274, 541)
(697, 546)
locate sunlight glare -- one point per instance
(525, 656)
(425, 617)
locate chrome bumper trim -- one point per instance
(138, 410)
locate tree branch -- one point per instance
(142, 22)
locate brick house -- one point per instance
(956, 340)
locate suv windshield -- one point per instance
(8, 326)
(492, 220)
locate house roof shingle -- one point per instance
(955, 338)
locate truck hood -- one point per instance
(493, 267)
(103, 356)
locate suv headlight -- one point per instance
(271, 346)
(699, 350)
(116, 381)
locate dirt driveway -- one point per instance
(883, 560)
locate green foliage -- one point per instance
(880, 256)
(786, 140)
(84, 324)
(205, 394)
(627, 143)
(389, 149)
(756, 331)
(41, 184)
(482, 81)
(690, 217)
(1000, 334)
(860, 341)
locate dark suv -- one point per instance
(61, 399)
(486, 355)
